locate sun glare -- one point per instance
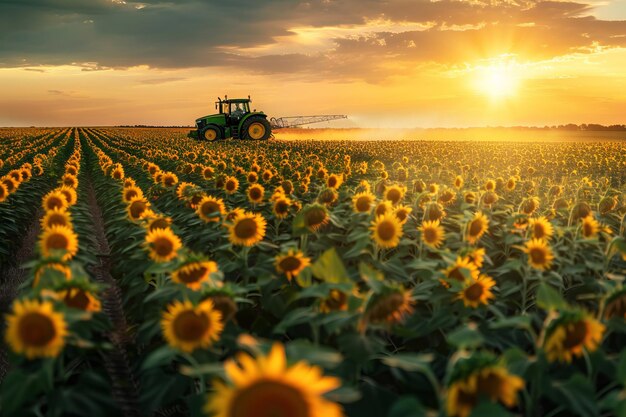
(497, 81)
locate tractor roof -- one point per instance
(236, 100)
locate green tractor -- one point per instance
(234, 120)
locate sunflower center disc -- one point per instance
(36, 329)
(190, 326)
(270, 399)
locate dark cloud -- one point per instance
(194, 33)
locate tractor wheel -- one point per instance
(256, 128)
(210, 134)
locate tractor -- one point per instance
(234, 120)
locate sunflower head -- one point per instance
(35, 329)
(59, 240)
(80, 298)
(433, 211)
(291, 263)
(386, 230)
(158, 222)
(614, 304)
(539, 254)
(231, 185)
(169, 179)
(389, 306)
(327, 196)
(56, 217)
(255, 193)
(268, 387)
(476, 227)
(131, 192)
(162, 244)
(394, 193)
(480, 376)
(589, 227)
(477, 292)
(54, 200)
(570, 333)
(50, 272)
(195, 273)
(70, 194)
(541, 228)
(315, 216)
(138, 208)
(223, 301)
(210, 209)
(188, 327)
(432, 233)
(281, 207)
(363, 202)
(461, 270)
(529, 205)
(247, 229)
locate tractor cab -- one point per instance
(233, 120)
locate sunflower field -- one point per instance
(143, 273)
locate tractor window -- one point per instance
(225, 109)
(239, 108)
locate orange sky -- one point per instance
(402, 63)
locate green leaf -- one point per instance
(621, 368)
(577, 395)
(466, 337)
(408, 361)
(617, 245)
(159, 357)
(294, 317)
(374, 278)
(549, 299)
(407, 407)
(330, 268)
(325, 357)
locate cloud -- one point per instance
(234, 33)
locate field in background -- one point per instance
(360, 278)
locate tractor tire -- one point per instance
(256, 128)
(210, 134)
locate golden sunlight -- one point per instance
(498, 80)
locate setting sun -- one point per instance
(497, 80)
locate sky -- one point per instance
(391, 63)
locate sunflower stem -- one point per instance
(192, 361)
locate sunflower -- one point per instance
(569, 334)
(336, 301)
(159, 222)
(390, 306)
(247, 229)
(488, 381)
(541, 228)
(511, 183)
(386, 231)
(252, 177)
(394, 193)
(118, 172)
(10, 184)
(614, 304)
(59, 238)
(194, 274)
(231, 184)
(255, 193)
(476, 227)
(458, 182)
(334, 181)
(461, 270)
(539, 254)
(362, 202)
(80, 299)
(56, 217)
(267, 387)
(130, 193)
(169, 179)
(477, 292)
(327, 196)
(291, 263)
(477, 256)
(529, 205)
(69, 180)
(53, 268)
(207, 172)
(590, 227)
(54, 200)
(433, 211)
(35, 329)
(4, 192)
(267, 175)
(281, 207)
(382, 208)
(402, 213)
(69, 193)
(490, 198)
(183, 189)
(210, 209)
(432, 233)
(469, 197)
(163, 244)
(138, 208)
(188, 328)
(315, 217)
